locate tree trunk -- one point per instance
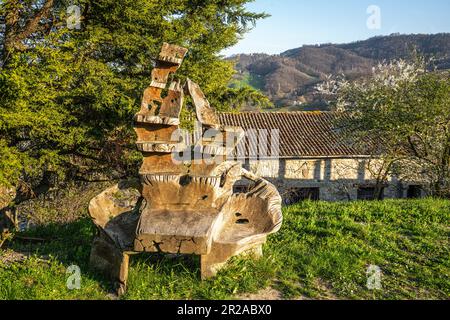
(8, 219)
(15, 32)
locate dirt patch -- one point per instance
(9, 257)
(268, 294)
(326, 292)
(59, 206)
(265, 294)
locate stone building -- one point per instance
(313, 161)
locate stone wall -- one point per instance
(337, 179)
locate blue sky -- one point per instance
(294, 23)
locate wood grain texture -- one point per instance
(182, 208)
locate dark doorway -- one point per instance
(296, 195)
(369, 193)
(414, 192)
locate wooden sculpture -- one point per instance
(181, 208)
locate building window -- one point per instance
(296, 195)
(369, 193)
(414, 192)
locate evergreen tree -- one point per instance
(72, 75)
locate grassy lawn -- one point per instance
(247, 79)
(322, 252)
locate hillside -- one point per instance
(290, 77)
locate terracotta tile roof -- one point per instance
(302, 134)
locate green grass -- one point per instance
(322, 251)
(247, 79)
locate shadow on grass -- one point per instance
(152, 276)
(67, 243)
(321, 248)
(70, 244)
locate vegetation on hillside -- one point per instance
(290, 78)
(323, 251)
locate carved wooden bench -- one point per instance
(177, 208)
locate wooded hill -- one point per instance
(290, 77)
